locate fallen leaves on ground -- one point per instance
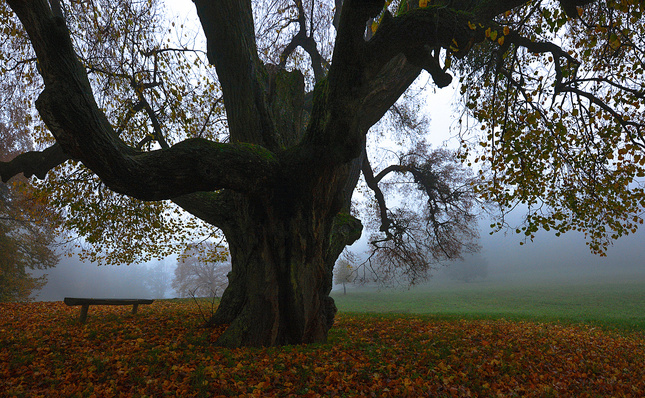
(161, 351)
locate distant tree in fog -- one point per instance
(157, 280)
(344, 273)
(202, 271)
(469, 269)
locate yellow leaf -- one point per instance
(487, 32)
(374, 26)
(501, 40)
(493, 35)
(423, 3)
(471, 26)
(507, 30)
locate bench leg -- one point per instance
(134, 308)
(83, 316)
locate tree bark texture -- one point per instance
(280, 282)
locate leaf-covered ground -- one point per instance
(160, 352)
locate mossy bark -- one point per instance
(283, 250)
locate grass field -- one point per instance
(618, 303)
(448, 341)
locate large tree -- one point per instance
(279, 185)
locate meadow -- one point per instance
(611, 303)
(471, 340)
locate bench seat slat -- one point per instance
(92, 301)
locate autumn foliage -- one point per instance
(27, 221)
(158, 352)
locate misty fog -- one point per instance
(561, 259)
(549, 259)
(74, 278)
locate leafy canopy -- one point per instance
(558, 101)
(551, 113)
(27, 223)
(146, 77)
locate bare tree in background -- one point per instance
(157, 280)
(202, 271)
(345, 273)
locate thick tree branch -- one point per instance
(333, 127)
(416, 32)
(231, 47)
(385, 89)
(348, 61)
(69, 110)
(447, 26)
(33, 163)
(570, 7)
(370, 103)
(56, 8)
(400, 45)
(211, 207)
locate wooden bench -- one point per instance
(86, 302)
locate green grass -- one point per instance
(617, 304)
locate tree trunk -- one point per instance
(282, 261)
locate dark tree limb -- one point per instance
(214, 208)
(570, 7)
(380, 94)
(415, 32)
(70, 112)
(33, 163)
(56, 8)
(231, 47)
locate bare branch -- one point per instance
(378, 194)
(158, 134)
(306, 42)
(628, 126)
